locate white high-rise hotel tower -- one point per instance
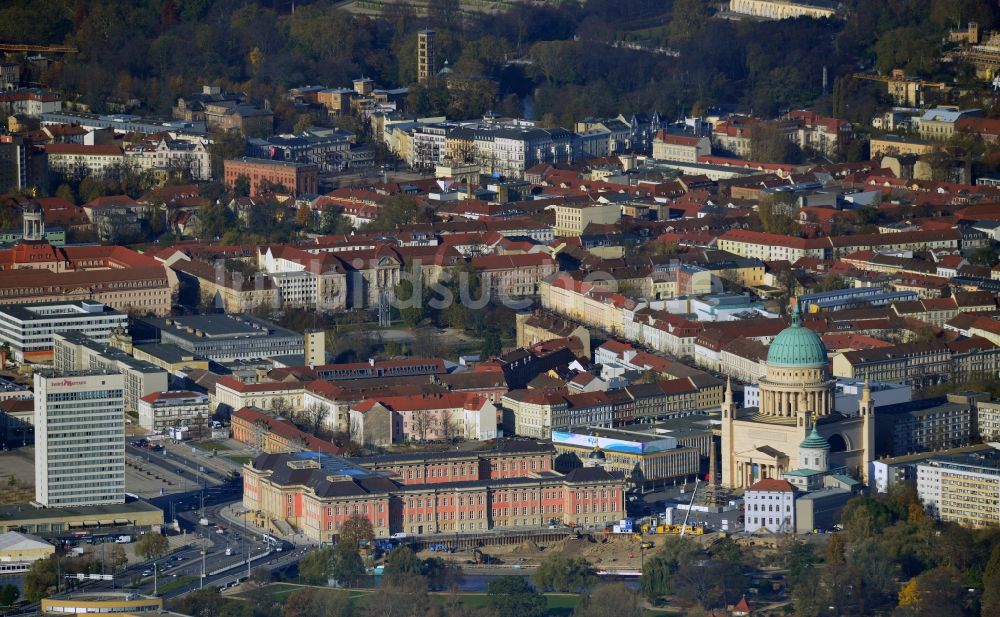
(79, 438)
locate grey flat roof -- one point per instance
(216, 327)
(923, 406)
(506, 446)
(612, 433)
(168, 352)
(824, 493)
(49, 373)
(28, 511)
(110, 352)
(986, 459)
(250, 159)
(23, 312)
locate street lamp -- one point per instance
(246, 547)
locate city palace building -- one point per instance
(453, 492)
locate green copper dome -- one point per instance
(815, 441)
(796, 347)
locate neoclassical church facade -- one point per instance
(796, 402)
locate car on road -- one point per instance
(147, 572)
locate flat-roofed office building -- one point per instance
(28, 328)
(225, 338)
(76, 352)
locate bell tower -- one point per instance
(728, 453)
(866, 409)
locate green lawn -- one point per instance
(211, 445)
(240, 459)
(180, 581)
(281, 591)
(559, 605)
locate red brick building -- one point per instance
(298, 178)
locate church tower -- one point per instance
(728, 454)
(866, 409)
(814, 452)
(33, 221)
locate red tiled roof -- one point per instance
(451, 400)
(111, 200)
(285, 429)
(170, 394)
(772, 484)
(760, 237)
(742, 606)
(80, 149)
(896, 238)
(983, 126)
(511, 262)
(681, 140)
(271, 386)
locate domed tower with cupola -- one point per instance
(814, 452)
(796, 375)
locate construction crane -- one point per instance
(53, 49)
(687, 515)
(890, 78)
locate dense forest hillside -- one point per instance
(569, 57)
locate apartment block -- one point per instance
(963, 489)
(573, 218)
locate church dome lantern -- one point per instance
(797, 347)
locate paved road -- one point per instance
(189, 560)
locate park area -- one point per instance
(295, 600)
